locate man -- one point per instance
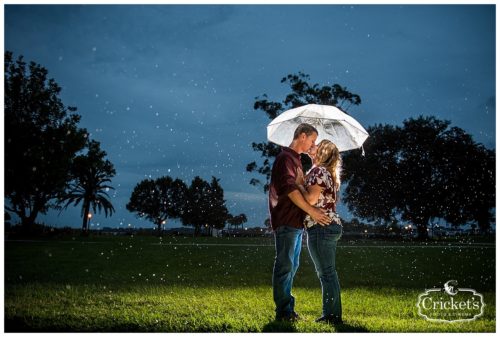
(288, 208)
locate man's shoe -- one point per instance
(290, 317)
(330, 319)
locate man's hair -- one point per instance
(308, 129)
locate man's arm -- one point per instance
(311, 193)
(316, 214)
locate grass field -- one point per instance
(179, 284)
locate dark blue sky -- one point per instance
(169, 90)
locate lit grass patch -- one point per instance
(197, 285)
(249, 309)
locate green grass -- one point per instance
(181, 284)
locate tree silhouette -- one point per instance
(41, 140)
(420, 171)
(218, 213)
(237, 220)
(158, 200)
(197, 205)
(366, 177)
(302, 93)
(90, 175)
(205, 205)
(472, 173)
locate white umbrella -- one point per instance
(330, 121)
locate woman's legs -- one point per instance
(322, 245)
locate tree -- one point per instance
(302, 93)
(197, 205)
(420, 171)
(474, 178)
(483, 188)
(205, 205)
(218, 213)
(237, 220)
(159, 200)
(90, 175)
(366, 177)
(7, 218)
(41, 140)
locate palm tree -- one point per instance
(237, 220)
(91, 175)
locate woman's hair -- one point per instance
(328, 155)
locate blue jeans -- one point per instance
(322, 245)
(288, 243)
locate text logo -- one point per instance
(450, 304)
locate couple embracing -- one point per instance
(299, 204)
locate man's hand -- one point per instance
(319, 216)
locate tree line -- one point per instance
(424, 170)
(200, 205)
(51, 163)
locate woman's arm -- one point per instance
(317, 214)
(311, 194)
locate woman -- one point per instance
(321, 186)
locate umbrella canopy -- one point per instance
(330, 121)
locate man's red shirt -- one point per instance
(284, 173)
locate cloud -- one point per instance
(246, 197)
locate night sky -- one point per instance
(169, 90)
